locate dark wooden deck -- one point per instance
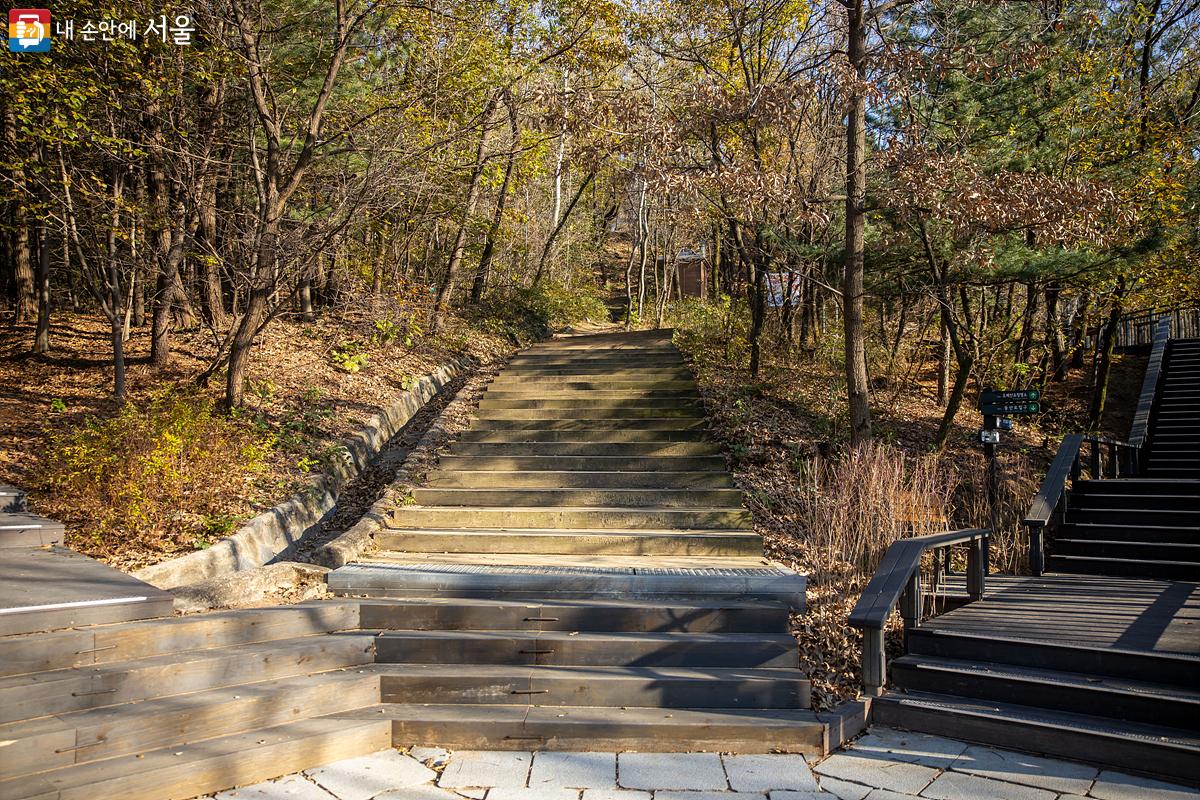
(1121, 613)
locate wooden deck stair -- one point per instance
(1098, 658)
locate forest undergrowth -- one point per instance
(829, 511)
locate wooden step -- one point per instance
(435, 613)
(1125, 699)
(102, 644)
(62, 691)
(1164, 752)
(577, 479)
(571, 648)
(1159, 569)
(598, 686)
(571, 518)
(580, 497)
(575, 542)
(1170, 668)
(24, 530)
(130, 728)
(184, 771)
(519, 727)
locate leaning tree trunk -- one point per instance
(852, 278)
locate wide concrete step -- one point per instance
(548, 479)
(645, 686)
(712, 463)
(597, 542)
(486, 414)
(519, 727)
(591, 614)
(545, 578)
(51, 742)
(581, 498)
(571, 517)
(575, 648)
(102, 644)
(584, 448)
(578, 422)
(596, 435)
(181, 771)
(66, 690)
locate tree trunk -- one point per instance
(41, 338)
(852, 279)
(944, 355)
(25, 302)
(1054, 335)
(460, 238)
(1104, 353)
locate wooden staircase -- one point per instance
(182, 706)
(1097, 659)
(597, 580)
(1146, 526)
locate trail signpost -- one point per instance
(997, 406)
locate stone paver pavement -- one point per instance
(882, 765)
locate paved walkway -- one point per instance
(883, 765)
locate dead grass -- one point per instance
(298, 395)
(831, 516)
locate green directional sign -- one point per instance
(1019, 396)
(1011, 407)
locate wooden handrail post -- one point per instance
(975, 569)
(1094, 461)
(910, 602)
(874, 664)
(1037, 553)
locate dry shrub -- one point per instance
(857, 505)
(159, 475)
(1018, 482)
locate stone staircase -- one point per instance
(550, 590)
(593, 576)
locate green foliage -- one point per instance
(523, 315)
(714, 332)
(349, 356)
(58, 406)
(157, 474)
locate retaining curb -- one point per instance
(274, 533)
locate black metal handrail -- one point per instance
(1106, 458)
(898, 581)
(1141, 418)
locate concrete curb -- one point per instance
(275, 533)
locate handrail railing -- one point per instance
(1141, 418)
(898, 580)
(1106, 458)
(1141, 329)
